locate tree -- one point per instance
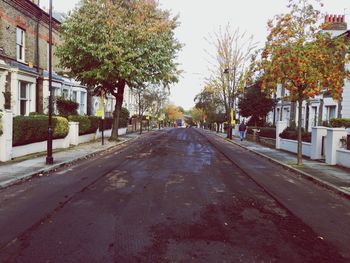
(256, 103)
(173, 113)
(109, 44)
(303, 58)
(208, 101)
(232, 67)
(197, 115)
(149, 99)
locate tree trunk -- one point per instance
(292, 121)
(140, 124)
(307, 113)
(229, 124)
(118, 106)
(300, 145)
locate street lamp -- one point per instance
(49, 158)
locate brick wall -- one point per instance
(32, 21)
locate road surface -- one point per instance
(179, 195)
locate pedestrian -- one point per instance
(242, 128)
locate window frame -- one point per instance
(26, 99)
(20, 47)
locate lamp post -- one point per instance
(49, 158)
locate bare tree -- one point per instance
(231, 67)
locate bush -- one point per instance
(30, 129)
(94, 122)
(124, 118)
(87, 124)
(107, 124)
(32, 114)
(268, 132)
(292, 134)
(337, 123)
(66, 107)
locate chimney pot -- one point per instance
(326, 19)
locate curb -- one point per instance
(22, 178)
(303, 174)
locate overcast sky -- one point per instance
(199, 18)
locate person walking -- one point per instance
(242, 128)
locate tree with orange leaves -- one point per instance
(303, 58)
(173, 113)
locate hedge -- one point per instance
(87, 124)
(123, 120)
(292, 134)
(338, 122)
(268, 132)
(107, 124)
(30, 129)
(66, 107)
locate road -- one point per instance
(179, 195)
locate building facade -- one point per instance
(24, 60)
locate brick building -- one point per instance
(24, 35)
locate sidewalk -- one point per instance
(335, 178)
(16, 171)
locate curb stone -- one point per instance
(25, 177)
(303, 174)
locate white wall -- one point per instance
(292, 146)
(346, 100)
(343, 157)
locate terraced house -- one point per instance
(24, 35)
(320, 109)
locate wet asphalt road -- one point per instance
(173, 196)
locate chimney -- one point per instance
(335, 23)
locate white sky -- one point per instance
(199, 18)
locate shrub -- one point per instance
(94, 122)
(32, 114)
(66, 107)
(268, 132)
(292, 134)
(61, 126)
(107, 124)
(338, 122)
(30, 129)
(124, 118)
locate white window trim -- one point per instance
(23, 32)
(28, 99)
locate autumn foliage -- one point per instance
(303, 58)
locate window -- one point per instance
(24, 97)
(82, 102)
(65, 94)
(20, 42)
(74, 96)
(331, 112)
